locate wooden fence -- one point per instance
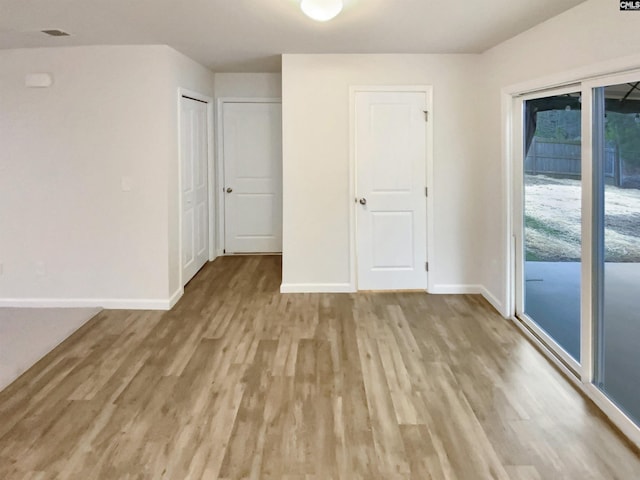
(563, 158)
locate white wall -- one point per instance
(316, 163)
(111, 113)
(563, 47)
(265, 85)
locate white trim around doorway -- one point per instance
(219, 168)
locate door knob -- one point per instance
(229, 190)
(363, 201)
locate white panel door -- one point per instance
(391, 189)
(194, 188)
(253, 177)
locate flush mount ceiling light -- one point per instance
(321, 10)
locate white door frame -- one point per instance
(353, 90)
(220, 158)
(183, 92)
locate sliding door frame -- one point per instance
(513, 98)
(518, 223)
(597, 204)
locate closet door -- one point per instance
(194, 188)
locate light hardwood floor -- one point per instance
(239, 381)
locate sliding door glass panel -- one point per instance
(617, 244)
(552, 217)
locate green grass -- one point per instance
(553, 234)
(546, 229)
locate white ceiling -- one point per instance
(249, 35)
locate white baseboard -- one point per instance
(316, 288)
(441, 289)
(493, 300)
(175, 298)
(106, 303)
(456, 289)
(460, 289)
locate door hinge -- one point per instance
(224, 250)
(426, 266)
(426, 191)
(426, 115)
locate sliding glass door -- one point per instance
(551, 221)
(577, 234)
(616, 154)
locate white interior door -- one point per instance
(194, 188)
(391, 189)
(252, 148)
